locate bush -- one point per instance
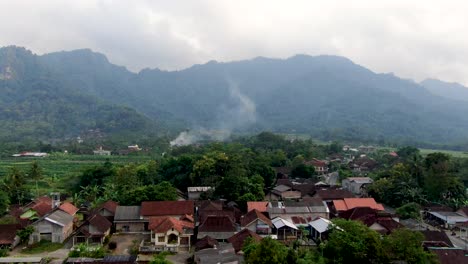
(112, 245)
(4, 252)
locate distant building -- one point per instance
(31, 154)
(101, 152)
(356, 184)
(195, 192)
(320, 166)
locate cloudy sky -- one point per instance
(414, 40)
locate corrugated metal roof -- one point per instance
(127, 213)
(320, 224)
(279, 222)
(60, 218)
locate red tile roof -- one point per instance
(206, 242)
(164, 224)
(238, 239)
(68, 208)
(254, 215)
(260, 206)
(350, 203)
(7, 234)
(315, 163)
(167, 208)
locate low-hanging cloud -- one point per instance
(412, 39)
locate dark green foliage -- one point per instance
(354, 243)
(160, 259)
(410, 210)
(14, 184)
(160, 192)
(404, 244)
(303, 171)
(25, 233)
(268, 251)
(4, 203)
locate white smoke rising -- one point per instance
(240, 113)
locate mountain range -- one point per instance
(65, 93)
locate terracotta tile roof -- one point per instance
(167, 208)
(333, 194)
(100, 223)
(260, 206)
(238, 239)
(254, 215)
(7, 234)
(68, 208)
(163, 224)
(221, 223)
(110, 206)
(350, 203)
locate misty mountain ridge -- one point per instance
(449, 90)
(329, 97)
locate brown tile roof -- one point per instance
(163, 224)
(333, 194)
(254, 215)
(238, 239)
(260, 206)
(206, 242)
(436, 236)
(222, 223)
(7, 234)
(68, 208)
(100, 223)
(205, 214)
(110, 206)
(167, 208)
(305, 189)
(210, 205)
(450, 255)
(42, 208)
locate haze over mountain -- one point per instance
(454, 91)
(328, 97)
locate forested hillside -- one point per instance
(35, 104)
(328, 97)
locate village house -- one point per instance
(260, 206)
(220, 226)
(299, 212)
(92, 231)
(194, 193)
(101, 152)
(330, 194)
(257, 222)
(284, 229)
(445, 219)
(341, 206)
(356, 184)
(127, 219)
(282, 192)
(107, 210)
(169, 234)
(238, 239)
(176, 209)
(55, 227)
(320, 166)
(319, 229)
(8, 237)
(375, 219)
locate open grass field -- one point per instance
(61, 171)
(453, 153)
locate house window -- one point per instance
(173, 239)
(161, 239)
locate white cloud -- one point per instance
(413, 40)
